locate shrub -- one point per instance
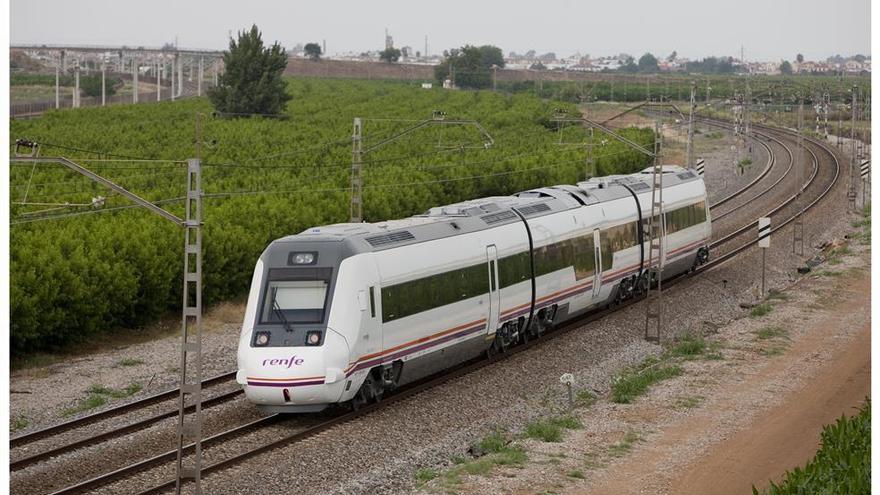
(842, 464)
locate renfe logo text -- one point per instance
(286, 362)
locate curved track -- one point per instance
(814, 190)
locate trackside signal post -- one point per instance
(189, 431)
(763, 243)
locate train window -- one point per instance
(295, 295)
(584, 256)
(492, 275)
(514, 269)
(416, 296)
(372, 303)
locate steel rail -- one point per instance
(117, 432)
(773, 211)
(113, 411)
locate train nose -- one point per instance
(292, 379)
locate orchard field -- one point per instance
(78, 270)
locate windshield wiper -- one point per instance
(280, 313)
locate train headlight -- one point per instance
(302, 258)
(313, 338)
(262, 338)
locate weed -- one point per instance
(90, 402)
(688, 402)
(544, 430)
(760, 310)
(19, 423)
(99, 395)
(567, 421)
(425, 475)
(550, 430)
(459, 460)
(511, 456)
(577, 473)
(688, 347)
(775, 350)
(130, 362)
(624, 446)
(478, 467)
(493, 442)
(771, 332)
(632, 383)
(777, 295)
(585, 398)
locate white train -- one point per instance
(348, 312)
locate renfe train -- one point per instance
(348, 312)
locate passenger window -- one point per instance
(492, 275)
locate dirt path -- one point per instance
(774, 440)
(788, 435)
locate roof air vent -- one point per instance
(498, 217)
(390, 238)
(532, 209)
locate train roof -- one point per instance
(482, 213)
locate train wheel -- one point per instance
(369, 393)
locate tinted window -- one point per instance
(416, 296)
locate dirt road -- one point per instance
(780, 438)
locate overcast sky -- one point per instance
(768, 29)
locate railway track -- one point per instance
(785, 212)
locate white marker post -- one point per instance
(567, 379)
(701, 167)
(865, 171)
(763, 243)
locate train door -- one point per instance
(597, 262)
(494, 289)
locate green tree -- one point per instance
(538, 66)
(91, 85)
(800, 58)
(252, 80)
(648, 63)
(470, 66)
(785, 68)
(390, 54)
(313, 50)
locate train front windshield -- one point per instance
(295, 295)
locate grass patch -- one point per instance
(760, 310)
(688, 402)
(18, 423)
(585, 398)
(773, 350)
(130, 362)
(688, 347)
(842, 464)
(776, 294)
(99, 395)
(624, 446)
(425, 475)
(632, 383)
(493, 442)
(771, 332)
(715, 135)
(577, 473)
(550, 430)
